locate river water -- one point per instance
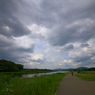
(39, 74)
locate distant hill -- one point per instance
(69, 69)
(60, 69)
(82, 68)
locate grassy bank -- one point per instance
(20, 73)
(43, 85)
(86, 75)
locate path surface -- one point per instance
(71, 85)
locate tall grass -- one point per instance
(43, 85)
(86, 75)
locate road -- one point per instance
(71, 85)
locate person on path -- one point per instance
(72, 72)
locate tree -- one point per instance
(9, 66)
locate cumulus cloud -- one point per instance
(84, 45)
(11, 49)
(83, 55)
(48, 34)
(9, 23)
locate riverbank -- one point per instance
(40, 74)
(43, 85)
(30, 71)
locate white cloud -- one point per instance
(38, 57)
(48, 33)
(24, 41)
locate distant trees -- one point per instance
(79, 70)
(87, 69)
(9, 66)
(91, 69)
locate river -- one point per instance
(39, 74)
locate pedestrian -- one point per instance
(72, 72)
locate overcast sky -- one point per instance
(48, 34)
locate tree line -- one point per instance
(89, 69)
(9, 66)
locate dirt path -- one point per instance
(71, 85)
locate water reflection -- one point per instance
(39, 74)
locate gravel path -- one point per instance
(71, 85)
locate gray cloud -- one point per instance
(11, 26)
(63, 36)
(84, 55)
(10, 51)
(76, 21)
(67, 22)
(9, 23)
(82, 59)
(84, 45)
(69, 47)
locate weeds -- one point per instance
(43, 85)
(86, 75)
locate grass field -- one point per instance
(43, 85)
(86, 75)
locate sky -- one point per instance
(48, 34)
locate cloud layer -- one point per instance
(48, 34)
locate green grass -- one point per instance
(86, 75)
(43, 85)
